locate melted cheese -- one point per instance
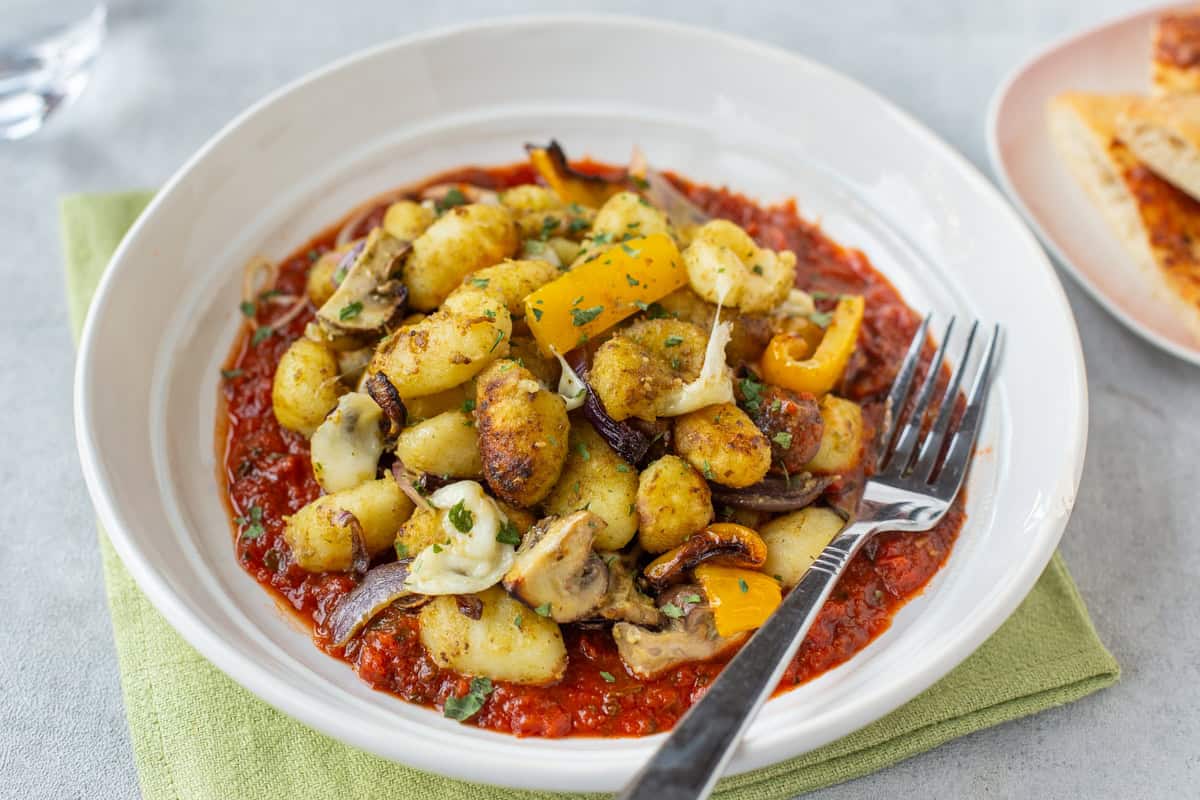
(571, 387)
(714, 384)
(468, 562)
(345, 449)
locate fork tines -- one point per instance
(916, 455)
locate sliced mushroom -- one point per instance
(722, 542)
(370, 296)
(381, 587)
(569, 184)
(624, 601)
(556, 571)
(690, 636)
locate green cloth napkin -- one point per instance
(197, 734)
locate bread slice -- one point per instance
(1175, 64)
(1159, 224)
(1164, 134)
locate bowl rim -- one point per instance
(251, 675)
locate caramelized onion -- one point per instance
(381, 587)
(774, 494)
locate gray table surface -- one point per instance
(173, 73)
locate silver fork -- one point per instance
(911, 491)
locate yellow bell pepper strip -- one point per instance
(741, 599)
(570, 185)
(790, 361)
(599, 293)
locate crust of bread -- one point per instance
(1175, 64)
(1158, 223)
(1164, 134)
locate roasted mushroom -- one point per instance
(723, 543)
(370, 296)
(690, 636)
(624, 601)
(556, 572)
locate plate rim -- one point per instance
(1000, 169)
(251, 675)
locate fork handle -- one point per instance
(693, 757)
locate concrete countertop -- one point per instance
(173, 73)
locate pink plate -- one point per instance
(1113, 57)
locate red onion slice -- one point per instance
(380, 588)
(629, 443)
(774, 494)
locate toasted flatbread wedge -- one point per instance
(1164, 134)
(1175, 65)
(1159, 224)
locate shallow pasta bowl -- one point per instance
(697, 102)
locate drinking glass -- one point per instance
(47, 48)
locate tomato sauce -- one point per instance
(268, 474)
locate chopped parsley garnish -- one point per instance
(676, 364)
(640, 182)
(467, 706)
(691, 598)
(582, 316)
(622, 468)
(631, 252)
(632, 281)
(261, 334)
(602, 238)
(673, 611)
(401, 550)
(247, 308)
(437, 548)
(461, 517)
(350, 310)
(230, 374)
(577, 300)
(673, 341)
(817, 294)
(776, 404)
(656, 311)
(577, 224)
(537, 314)
(452, 198)
(517, 620)
(641, 304)
(757, 269)
(543, 610)
(752, 394)
(549, 224)
(632, 508)
(252, 522)
(708, 473)
(783, 439)
(821, 318)
(583, 451)
(745, 587)
(508, 534)
(607, 676)
(313, 255)
(468, 406)
(482, 283)
(340, 275)
(487, 312)
(499, 338)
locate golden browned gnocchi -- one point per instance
(321, 536)
(446, 348)
(673, 502)
(511, 281)
(306, 386)
(725, 265)
(446, 445)
(724, 444)
(596, 478)
(626, 215)
(795, 540)
(462, 240)
(629, 380)
(523, 432)
(508, 642)
(407, 220)
(841, 437)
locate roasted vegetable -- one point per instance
(790, 362)
(691, 635)
(673, 502)
(603, 291)
(306, 386)
(741, 599)
(722, 543)
(523, 431)
(370, 296)
(556, 571)
(569, 184)
(508, 642)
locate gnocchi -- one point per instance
(306, 386)
(461, 241)
(446, 445)
(596, 478)
(320, 536)
(673, 502)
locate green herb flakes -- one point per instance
(350, 310)
(508, 534)
(467, 706)
(673, 341)
(543, 610)
(708, 473)
(537, 314)
(481, 283)
(230, 374)
(582, 316)
(247, 308)
(583, 451)
(401, 550)
(821, 318)
(461, 517)
(252, 526)
(499, 338)
(745, 587)
(452, 198)
(783, 439)
(673, 611)
(751, 394)
(632, 281)
(261, 334)
(607, 676)
(468, 406)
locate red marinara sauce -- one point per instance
(268, 475)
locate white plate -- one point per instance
(717, 108)
(1113, 57)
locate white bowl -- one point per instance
(1114, 58)
(718, 109)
